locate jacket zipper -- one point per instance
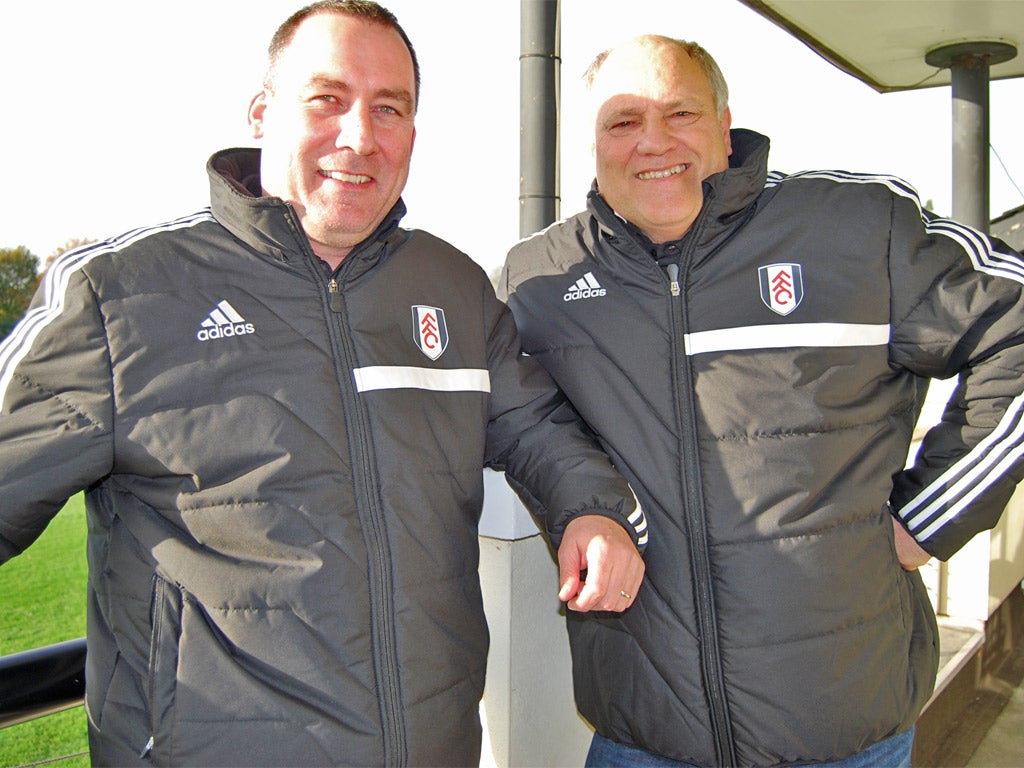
(381, 589)
(673, 279)
(696, 523)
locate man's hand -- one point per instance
(909, 552)
(601, 547)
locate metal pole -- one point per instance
(41, 681)
(970, 141)
(539, 73)
(969, 65)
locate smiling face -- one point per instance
(658, 135)
(337, 128)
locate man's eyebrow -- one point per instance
(622, 110)
(628, 109)
(399, 94)
(323, 81)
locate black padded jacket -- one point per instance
(284, 473)
(757, 382)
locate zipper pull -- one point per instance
(334, 294)
(147, 749)
(673, 277)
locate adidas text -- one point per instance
(225, 331)
(585, 293)
(586, 287)
(223, 323)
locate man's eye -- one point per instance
(621, 126)
(684, 117)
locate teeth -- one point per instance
(347, 177)
(662, 174)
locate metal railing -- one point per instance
(41, 681)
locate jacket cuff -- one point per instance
(634, 523)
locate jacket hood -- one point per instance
(269, 224)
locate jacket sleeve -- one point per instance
(55, 406)
(958, 311)
(550, 459)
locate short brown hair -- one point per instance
(364, 9)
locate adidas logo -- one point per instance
(586, 287)
(223, 323)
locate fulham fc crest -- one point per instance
(782, 287)
(429, 330)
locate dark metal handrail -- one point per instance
(41, 681)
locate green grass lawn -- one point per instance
(42, 601)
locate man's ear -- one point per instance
(257, 107)
(726, 124)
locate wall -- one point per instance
(529, 716)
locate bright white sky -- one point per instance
(112, 108)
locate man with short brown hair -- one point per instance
(280, 408)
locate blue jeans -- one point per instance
(891, 753)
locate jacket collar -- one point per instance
(269, 224)
(727, 195)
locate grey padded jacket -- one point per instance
(285, 480)
(758, 387)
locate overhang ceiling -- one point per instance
(884, 42)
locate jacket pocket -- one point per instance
(924, 643)
(161, 683)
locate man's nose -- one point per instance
(355, 132)
(656, 137)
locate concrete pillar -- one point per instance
(529, 716)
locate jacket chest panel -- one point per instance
(788, 277)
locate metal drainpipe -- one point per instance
(539, 73)
(969, 65)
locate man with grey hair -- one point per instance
(750, 348)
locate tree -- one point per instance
(17, 284)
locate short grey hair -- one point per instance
(719, 88)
